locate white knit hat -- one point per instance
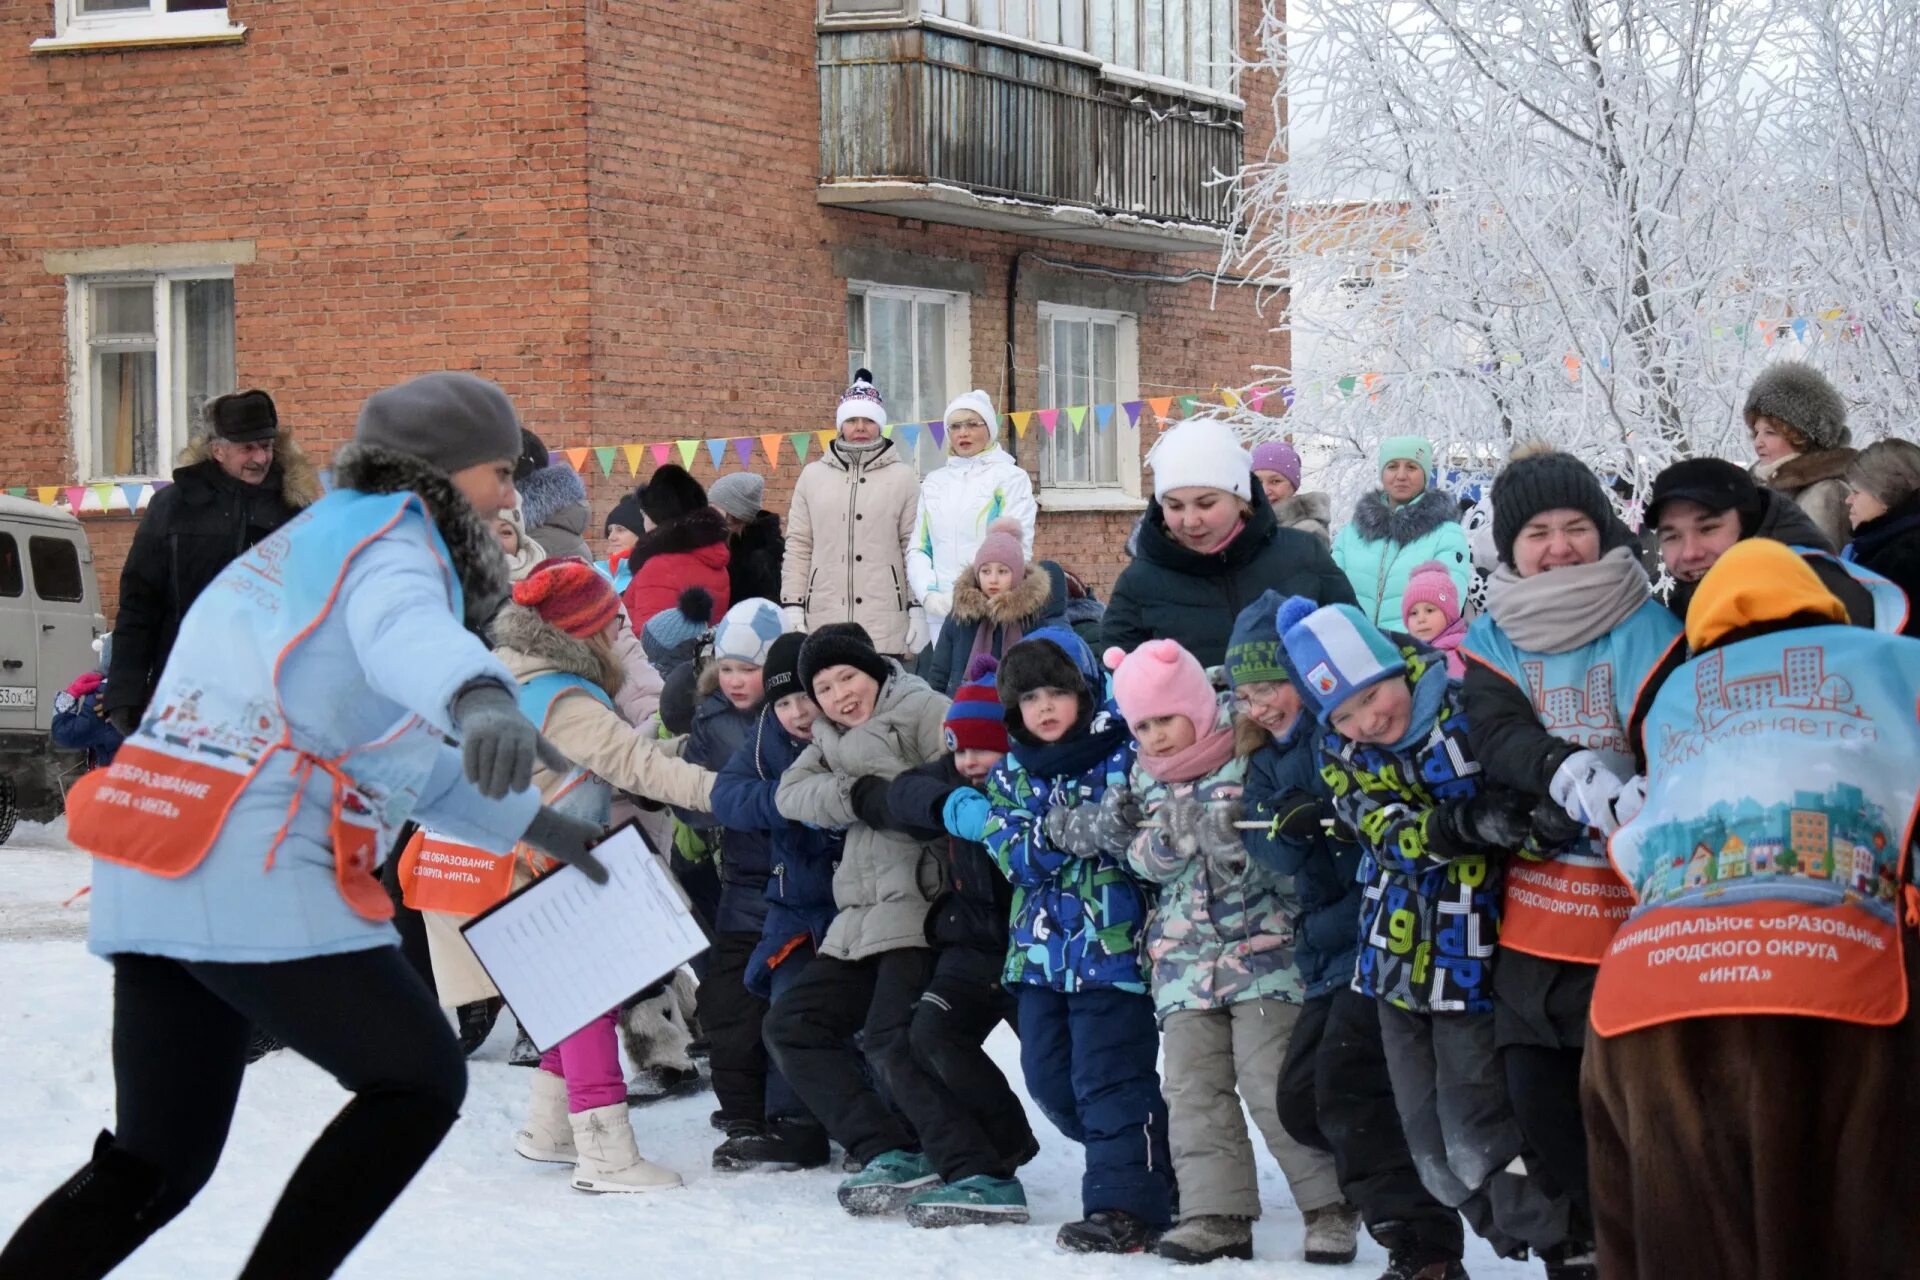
(861, 400)
(747, 632)
(1201, 452)
(978, 401)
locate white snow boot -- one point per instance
(609, 1160)
(548, 1137)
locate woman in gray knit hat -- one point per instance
(303, 716)
(1799, 426)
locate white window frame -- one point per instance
(170, 436)
(1126, 494)
(959, 346)
(73, 28)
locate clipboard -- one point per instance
(563, 951)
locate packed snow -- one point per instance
(478, 1211)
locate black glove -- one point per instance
(559, 836)
(1497, 819)
(869, 797)
(125, 720)
(1550, 828)
(1296, 815)
(498, 745)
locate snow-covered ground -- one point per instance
(478, 1211)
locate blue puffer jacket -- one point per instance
(719, 731)
(1282, 776)
(798, 903)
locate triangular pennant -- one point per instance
(743, 447)
(717, 450)
(1228, 398)
(1573, 367)
(939, 430)
(687, 449)
(604, 455)
(104, 492)
(661, 453)
(131, 492)
(1133, 408)
(825, 438)
(886, 432)
(1347, 384)
(1021, 422)
(1370, 380)
(801, 442)
(47, 494)
(555, 457)
(1800, 328)
(1102, 416)
(1160, 405)
(75, 497)
(632, 453)
(577, 458)
(1188, 404)
(1077, 415)
(770, 445)
(18, 491)
(1286, 396)
(1257, 400)
(909, 436)
(1049, 418)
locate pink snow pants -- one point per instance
(589, 1061)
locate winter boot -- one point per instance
(1208, 1238)
(1333, 1234)
(547, 1137)
(1419, 1264)
(476, 1023)
(89, 1225)
(887, 1182)
(785, 1146)
(609, 1161)
(1106, 1231)
(977, 1199)
(1573, 1261)
(523, 1053)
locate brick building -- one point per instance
(648, 221)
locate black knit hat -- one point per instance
(534, 456)
(626, 514)
(840, 644)
(670, 493)
(243, 417)
(1714, 483)
(780, 675)
(1545, 482)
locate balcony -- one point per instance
(921, 122)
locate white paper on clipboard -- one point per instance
(564, 950)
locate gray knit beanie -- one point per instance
(739, 494)
(451, 420)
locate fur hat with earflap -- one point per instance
(1050, 658)
(671, 493)
(1799, 397)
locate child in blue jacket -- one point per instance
(1335, 1093)
(1088, 1035)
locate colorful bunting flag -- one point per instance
(939, 430)
(743, 448)
(801, 442)
(1232, 401)
(1102, 417)
(1160, 405)
(1021, 421)
(1049, 418)
(47, 492)
(1347, 385)
(1133, 408)
(770, 445)
(825, 438)
(717, 450)
(75, 496)
(604, 455)
(132, 494)
(662, 452)
(104, 492)
(633, 453)
(687, 449)
(1077, 416)
(1286, 397)
(909, 436)
(577, 458)
(1188, 404)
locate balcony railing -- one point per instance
(914, 105)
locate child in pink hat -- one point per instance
(1431, 611)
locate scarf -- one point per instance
(983, 640)
(1208, 753)
(1562, 609)
(1764, 472)
(521, 563)
(1071, 757)
(1429, 695)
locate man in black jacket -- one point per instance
(234, 486)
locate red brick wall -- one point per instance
(609, 208)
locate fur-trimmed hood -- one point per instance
(477, 557)
(1804, 470)
(706, 527)
(547, 492)
(530, 645)
(1303, 507)
(1378, 520)
(1026, 602)
(299, 479)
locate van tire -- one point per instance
(9, 812)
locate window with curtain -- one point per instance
(913, 341)
(1191, 41)
(1086, 358)
(156, 349)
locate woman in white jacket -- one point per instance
(979, 484)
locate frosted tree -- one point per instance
(1588, 221)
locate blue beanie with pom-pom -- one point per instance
(1333, 652)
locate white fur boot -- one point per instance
(548, 1137)
(609, 1160)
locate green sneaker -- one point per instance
(887, 1183)
(977, 1199)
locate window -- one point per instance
(1089, 358)
(11, 584)
(149, 352)
(79, 22)
(56, 569)
(914, 342)
(1191, 41)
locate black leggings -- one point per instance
(179, 1051)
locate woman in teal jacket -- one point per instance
(1398, 527)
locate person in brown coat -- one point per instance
(1799, 427)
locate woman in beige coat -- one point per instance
(848, 530)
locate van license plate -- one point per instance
(15, 696)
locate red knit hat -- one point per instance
(975, 721)
(569, 595)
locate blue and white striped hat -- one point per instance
(1333, 652)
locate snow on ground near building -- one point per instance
(478, 1211)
